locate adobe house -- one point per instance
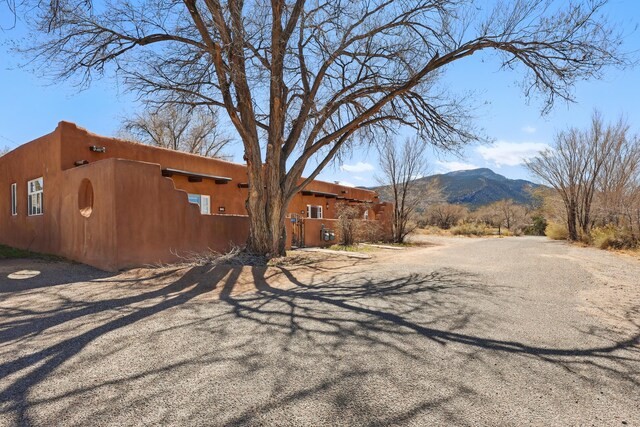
(116, 204)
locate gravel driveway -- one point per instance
(514, 331)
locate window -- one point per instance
(35, 195)
(366, 214)
(203, 201)
(14, 199)
(314, 211)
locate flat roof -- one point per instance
(318, 194)
(195, 175)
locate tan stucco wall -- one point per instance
(40, 158)
(91, 240)
(138, 218)
(75, 147)
(156, 223)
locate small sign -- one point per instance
(293, 220)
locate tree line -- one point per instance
(595, 176)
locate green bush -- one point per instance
(471, 229)
(557, 231)
(613, 237)
(538, 227)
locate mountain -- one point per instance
(476, 187)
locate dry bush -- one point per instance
(236, 256)
(471, 229)
(611, 237)
(369, 231)
(556, 231)
(348, 217)
(351, 228)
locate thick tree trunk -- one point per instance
(267, 233)
(267, 211)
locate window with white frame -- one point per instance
(366, 214)
(314, 211)
(14, 199)
(203, 201)
(35, 197)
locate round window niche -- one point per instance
(85, 198)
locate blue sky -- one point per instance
(31, 106)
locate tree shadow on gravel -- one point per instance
(407, 309)
(319, 317)
(43, 274)
(34, 368)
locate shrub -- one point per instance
(537, 228)
(347, 222)
(471, 229)
(613, 237)
(557, 231)
(369, 231)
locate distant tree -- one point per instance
(400, 167)
(503, 214)
(574, 166)
(180, 128)
(537, 227)
(4, 150)
(302, 80)
(445, 215)
(489, 215)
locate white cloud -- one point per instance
(455, 166)
(358, 167)
(359, 178)
(504, 153)
(529, 129)
(346, 183)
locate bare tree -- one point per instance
(574, 166)
(348, 217)
(400, 168)
(445, 215)
(618, 183)
(300, 80)
(509, 214)
(179, 128)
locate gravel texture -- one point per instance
(514, 331)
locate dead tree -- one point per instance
(301, 80)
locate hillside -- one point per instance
(474, 188)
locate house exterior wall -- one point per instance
(92, 240)
(137, 216)
(39, 158)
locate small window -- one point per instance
(203, 201)
(314, 211)
(366, 215)
(35, 197)
(14, 199)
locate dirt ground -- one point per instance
(457, 331)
